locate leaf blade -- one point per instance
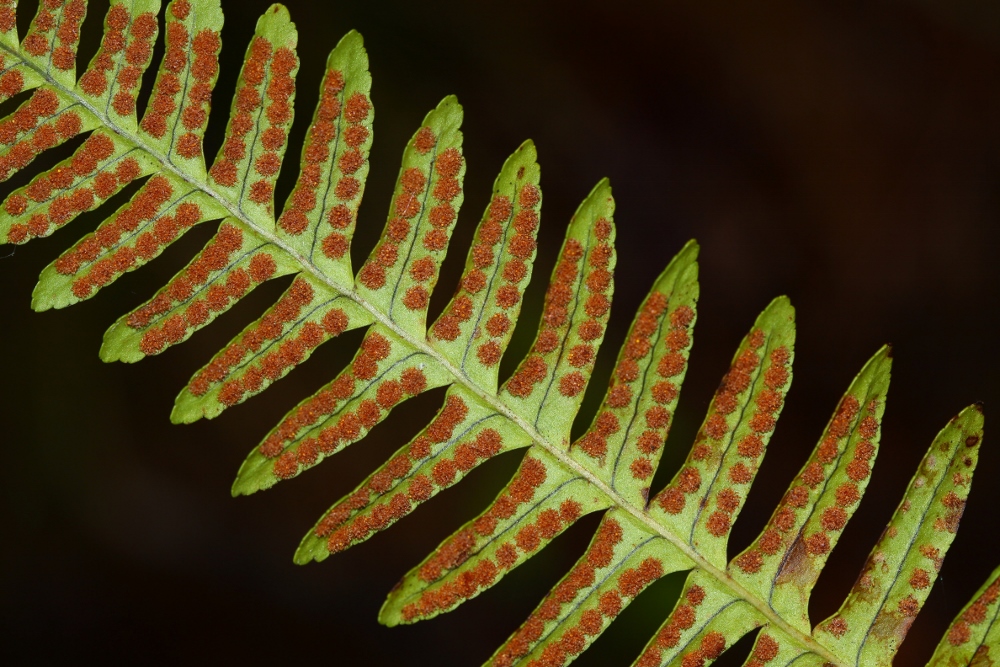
(901, 569)
(784, 562)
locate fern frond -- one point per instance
(684, 527)
(975, 632)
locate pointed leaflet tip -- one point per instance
(353, 45)
(179, 416)
(528, 148)
(41, 300)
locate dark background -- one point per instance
(845, 154)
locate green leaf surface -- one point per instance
(548, 386)
(974, 635)
(783, 564)
(425, 202)
(541, 501)
(475, 327)
(902, 568)
(319, 217)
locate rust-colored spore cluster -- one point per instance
(954, 507)
(125, 53)
(37, 125)
(55, 32)
(975, 615)
(506, 295)
(576, 268)
(415, 184)
(134, 236)
(348, 426)
(375, 348)
(200, 291)
(269, 360)
(59, 195)
(456, 551)
(75, 198)
(833, 518)
(366, 516)
(8, 17)
(187, 76)
(338, 211)
(268, 73)
(683, 618)
(600, 555)
(626, 385)
(765, 650)
(761, 418)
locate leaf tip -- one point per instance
(40, 301)
(353, 38)
(971, 419)
(183, 412)
(691, 248)
(781, 306)
(528, 148)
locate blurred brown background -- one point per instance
(846, 154)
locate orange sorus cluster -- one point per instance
(11, 82)
(341, 528)
(572, 642)
(217, 297)
(347, 189)
(271, 327)
(138, 51)
(626, 382)
(515, 270)
(459, 548)
(369, 412)
(833, 518)
(317, 152)
(520, 491)
(762, 421)
(976, 614)
(166, 96)
(378, 517)
(144, 207)
(412, 382)
(764, 651)
(555, 318)
(62, 209)
(66, 29)
(673, 498)
(609, 604)
(274, 363)
(683, 618)
(467, 455)
(413, 185)
(279, 89)
(8, 15)
(657, 417)
(43, 104)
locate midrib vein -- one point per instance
(260, 228)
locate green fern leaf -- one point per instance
(975, 632)
(902, 567)
(684, 527)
